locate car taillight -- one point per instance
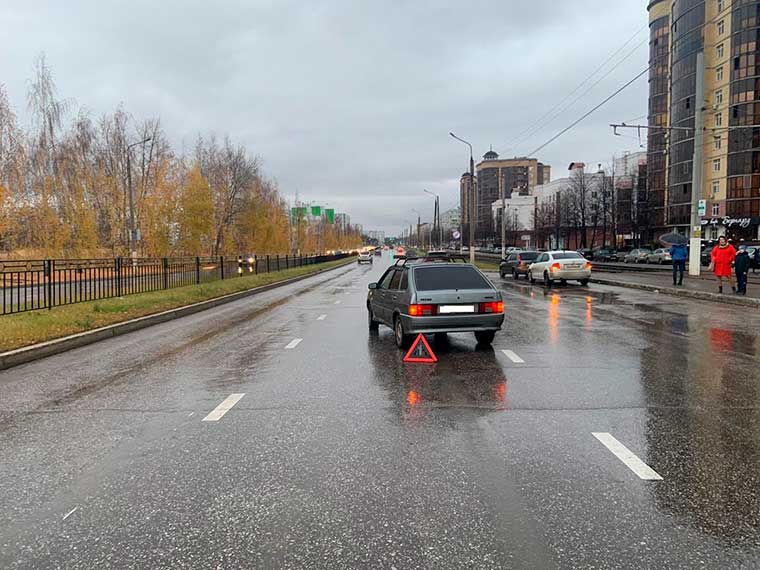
(588, 265)
(555, 267)
(423, 310)
(491, 307)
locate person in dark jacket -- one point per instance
(679, 254)
(757, 259)
(741, 266)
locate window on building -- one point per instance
(717, 143)
(716, 165)
(718, 119)
(721, 5)
(715, 187)
(715, 210)
(719, 51)
(719, 73)
(721, 27)
(719, 97)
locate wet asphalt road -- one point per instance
(340, 456)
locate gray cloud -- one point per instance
(347, 102)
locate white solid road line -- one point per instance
(625, 455)
(513, 357)
(321, 317)
(294, 343)
(337, 302)
(218, 412)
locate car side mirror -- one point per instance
(372, 286)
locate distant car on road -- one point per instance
(378, 251)
(637, 256)
(517, 263)
(705, 257)
(560, 265)
(364, 257)
(660, 256)
(417, 296)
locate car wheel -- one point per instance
(547, 282)
(530, 278)
(441, 338)
(402, 339)
(373, 324)
(563, 282)
(662, 262)
(584, 282)
(502, 274)
(485, 337)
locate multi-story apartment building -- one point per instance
(512, 175)
(728, 33)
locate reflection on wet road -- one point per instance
(329, 452)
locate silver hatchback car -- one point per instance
(434, 297)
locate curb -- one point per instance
(699, 295)
(51, 347)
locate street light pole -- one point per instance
(473, 202)
(132, 231)
(436, 219)
(419, 218)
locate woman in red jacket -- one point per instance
(722, 259)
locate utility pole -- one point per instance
(695, 241)
(503, 216)
(132, 230)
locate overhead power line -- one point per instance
(574, 123)
(530, 130)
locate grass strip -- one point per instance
(24, 329)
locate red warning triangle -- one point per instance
(420, 351)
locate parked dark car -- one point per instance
(704, 257)
(517, 264)
(606, 254)
(587, 253)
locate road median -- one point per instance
(30, 336)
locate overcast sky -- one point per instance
(348, 102)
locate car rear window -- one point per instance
(567, 255)
(448, 277)
(528, 256)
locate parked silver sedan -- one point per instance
(434, 297)
(660, 256)
(637, 256)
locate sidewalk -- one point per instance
(704, 287)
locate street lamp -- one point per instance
(419, 217)
(437, 217)
(132, 235)
(473, 204)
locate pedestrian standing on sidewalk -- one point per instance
(741, 266)
(722, 259)
(757, 259)
(679, 254)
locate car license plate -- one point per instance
(448, 309)
(573, 265)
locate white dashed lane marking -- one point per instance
(71, 512)
(337, 302)
(218, 412)
(513, 357)
(321, 317)
(625, 455)
(294, 343)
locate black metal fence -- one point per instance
(47, 283)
